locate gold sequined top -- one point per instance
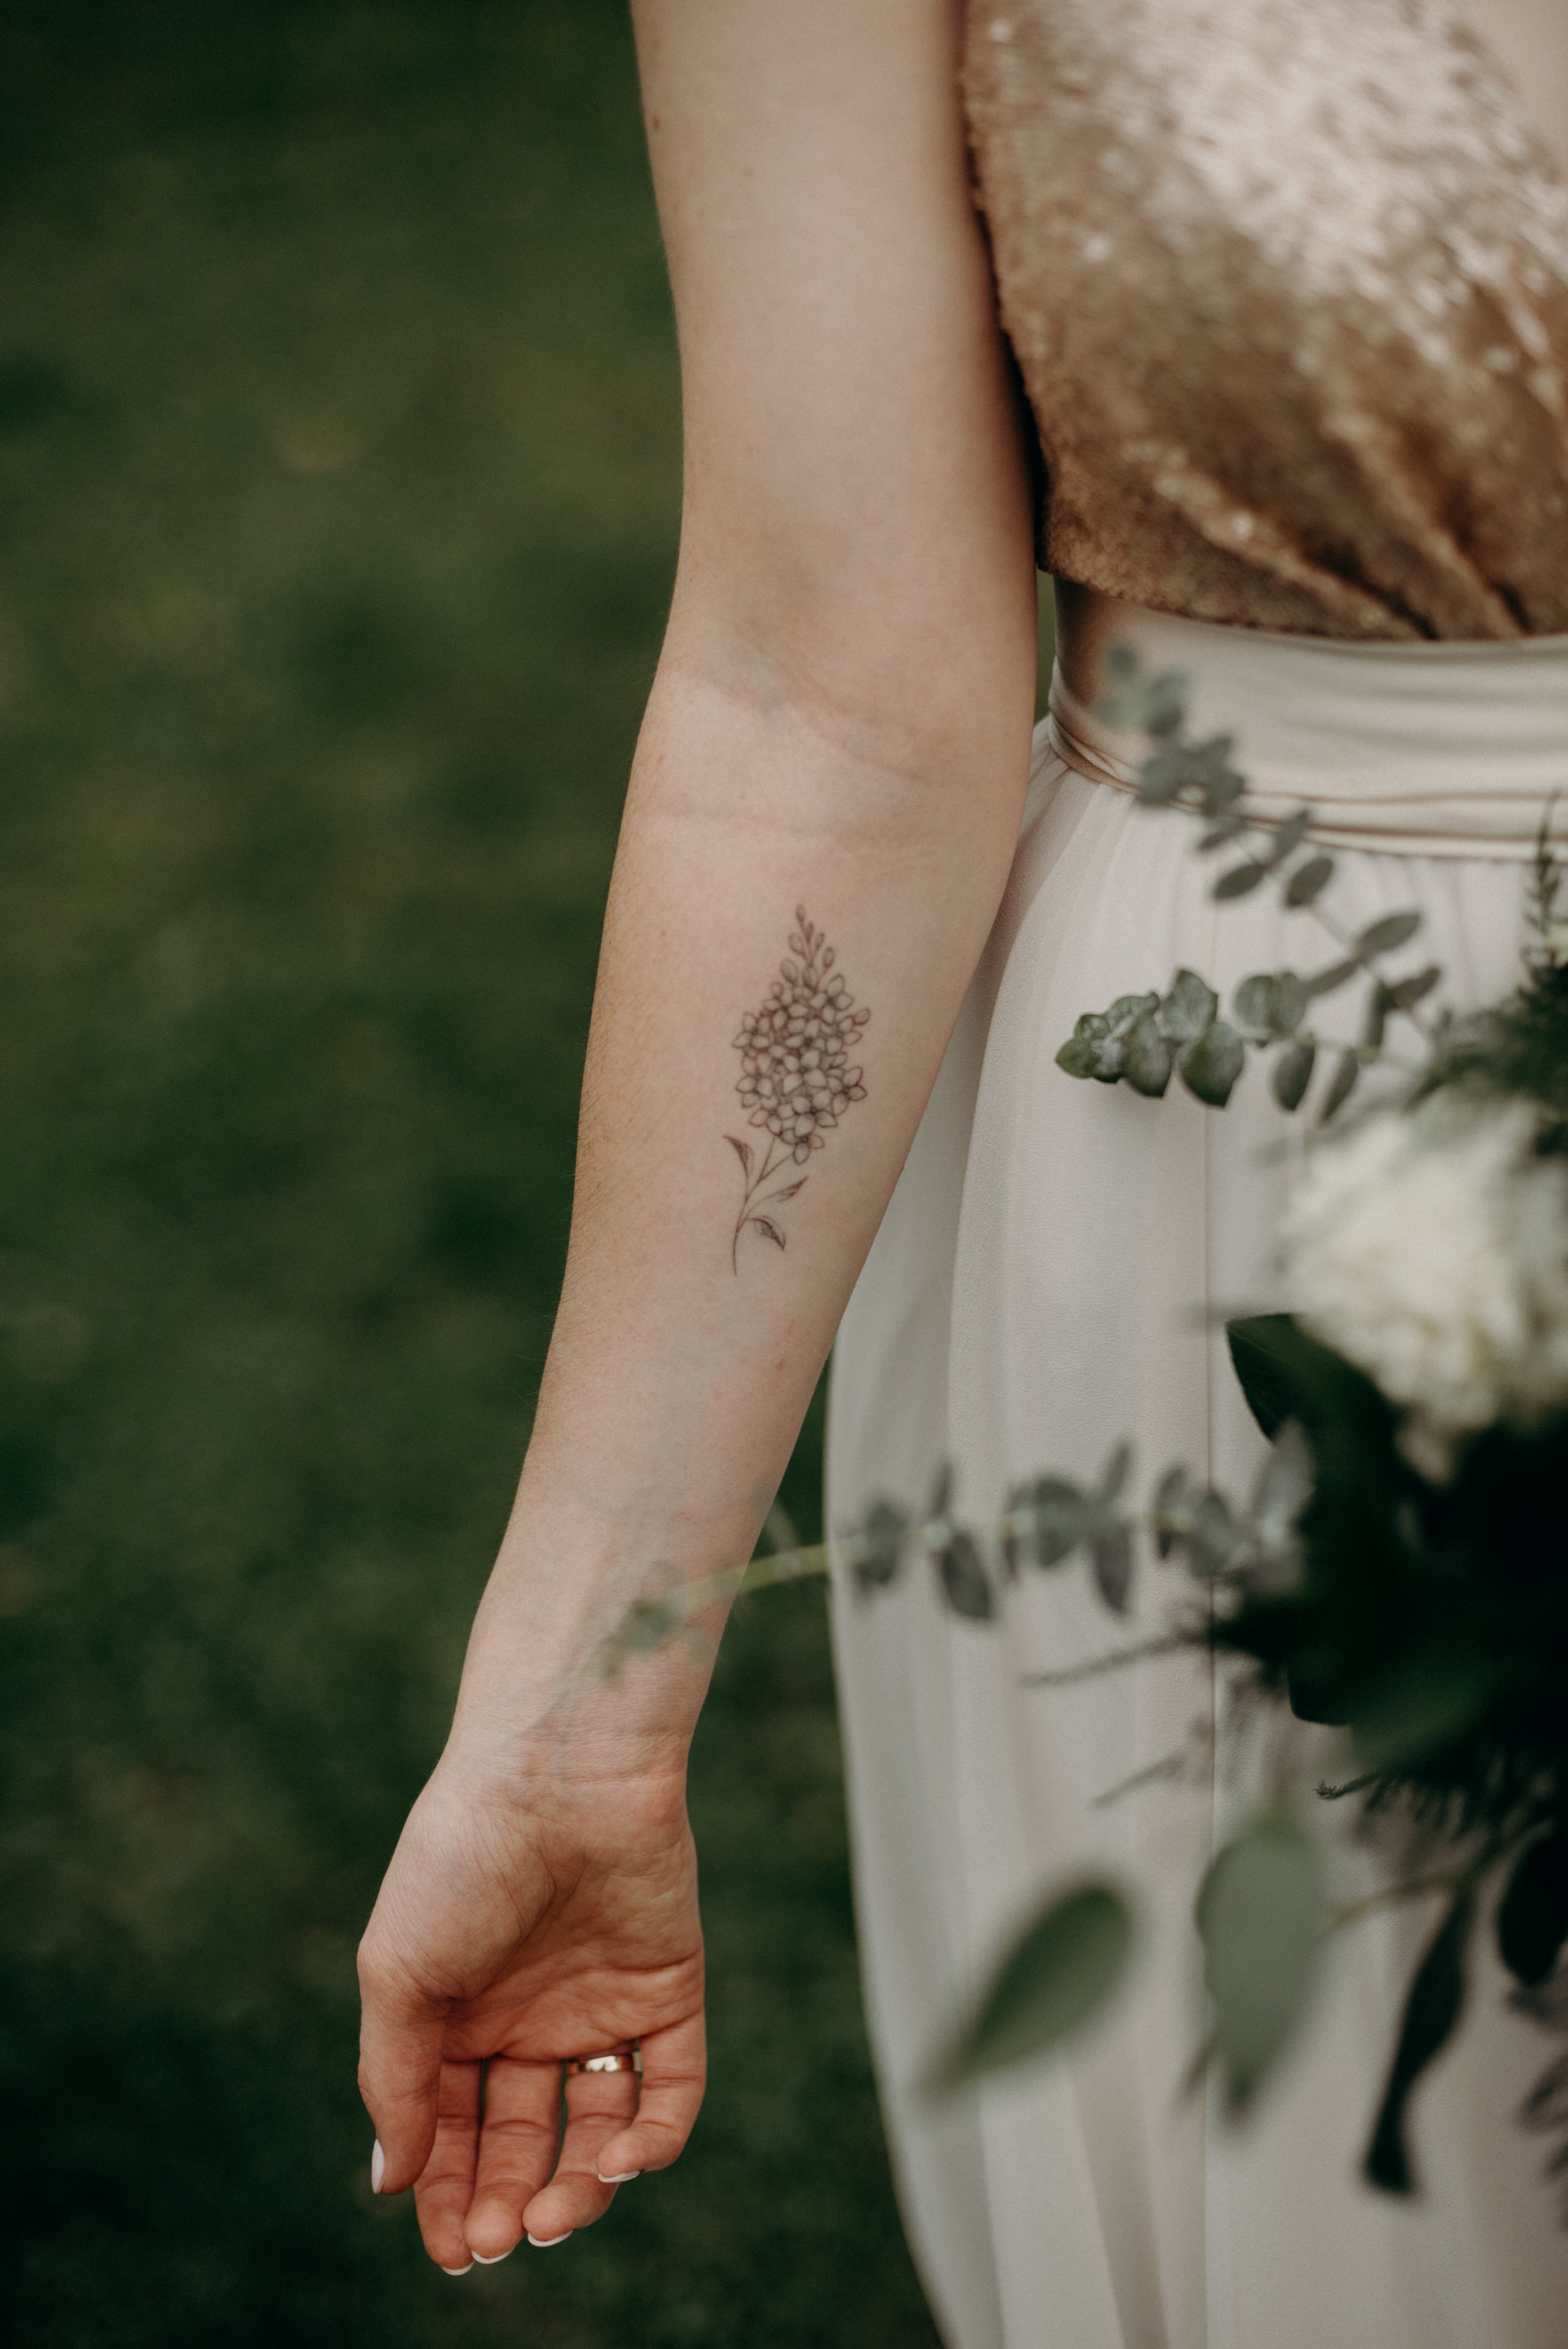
(1287, 281)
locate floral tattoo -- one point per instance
(797, 1078)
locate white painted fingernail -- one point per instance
(458, 2271)
(621, 2178)
(496, 2258)
(547, 2242)
(377, 2167)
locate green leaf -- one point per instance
(1309, 881)
(1293, 1073)
(1424, 1706)
(1127, 1010)
(1288, 838)
(1263, 1920)
(1058, 1974)
(965, 1584)
(1335, 975)
(1113, 1476)
(1393, 930)
(1079, 1056)
(1112, 1556)
(1188, 1009)
(882, 1531)
(1239, 881)
(1064, 1517)
(1226, 829)
(1405, 993)
(1343, 1085)
(1291, 1002)
(1149, 1063)
(1255, 1004)
(1211, 1066)
(1533, 1917)
(1431, 2013)
(1279, 1368)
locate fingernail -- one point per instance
(623, 2178)
(457, 2270)
(496, 2258)
(547, 2242)
(378, 2170)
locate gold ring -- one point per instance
(631, 2063)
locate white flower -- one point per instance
(1430, 1247)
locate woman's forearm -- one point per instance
(731, 1177)
(838, 738)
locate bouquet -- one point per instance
(1399, 1572)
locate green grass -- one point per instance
(338, 463)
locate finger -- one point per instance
(675, 2074)
(518, 2140)
(445, 2185)
(598, 2106)
(400, 2038)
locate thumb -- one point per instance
(401, 2034)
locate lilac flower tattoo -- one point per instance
(797, 1078)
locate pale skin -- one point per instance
(841, 719)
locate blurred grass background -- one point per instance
(338, 466)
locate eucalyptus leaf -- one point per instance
(1379, 1003)
(965, 1584)
(1293, 1073)
(1164, 775)
(1188, 1009)
(1288, 838)
(1148, 1065)
(1344, 1080)
(1079, 1056)
(1211, 1066)
(1333, 976)
(1404, 994)
(1383, 936)
(1239, 881)
(1264, 1921)
(1064, 1517)
(1113, 1476)
(882, 1531)
(1309, 881)
(1112, 1557)
(1225, 829)
(1533, 1915)
(1056, 1976)
(1291, 1003)
(1255, 1006)
(1432, 2011)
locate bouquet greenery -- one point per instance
(1399, 1572)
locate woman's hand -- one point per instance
(517, 1927)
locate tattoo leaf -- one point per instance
(790, 1189)
(768, 1230)
(742, 1151)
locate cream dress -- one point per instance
(1288, 285)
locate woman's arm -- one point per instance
(836, 737)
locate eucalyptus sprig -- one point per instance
(1143, 1039)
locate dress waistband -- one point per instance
(1426, 750)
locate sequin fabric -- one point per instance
(1287, 281)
